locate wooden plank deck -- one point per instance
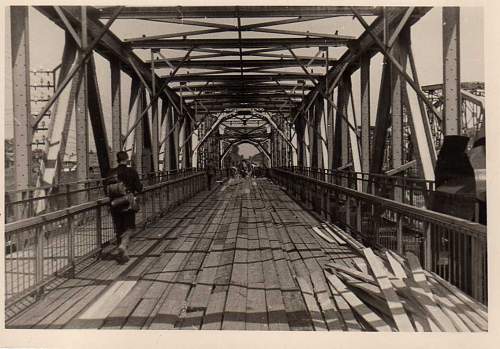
(245, 257)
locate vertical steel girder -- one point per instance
(77, 97)
(317, 143)
(400, 53)
(147, 153)
(300, 135)
(382, 120)
(97, 119)
(81, 116)
(171, 148)
(21, 95)
(187, 149)
(139, 132)
(154, 120)
(341, 141)
(59, 114)
(420, 127)
(365, 113)
(451, 71)
(116, 118)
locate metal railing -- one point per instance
(42, 247)
(409, 190)
(21, 204)
(453, 248)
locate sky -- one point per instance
(47, 40)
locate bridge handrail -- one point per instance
(443, 243)
(67, 193)
(477, 229)
(52, 216)
(39, 248)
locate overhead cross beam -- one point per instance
(248, 78)
(243, 43)
(247, 63)
(182, 12)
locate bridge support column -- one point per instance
(139, 134)
(23, 132)
(451, 71)
(341, 157)
(116, 102)
(81, 115)
(154, 119)
(300, 135)
(400, 54)
(315, 134)
(97, 119)
(365, 116)
(382, 120)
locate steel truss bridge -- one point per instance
(250, 253)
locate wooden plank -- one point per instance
(274, 300)
(424, 295)
(103, 306)
(337, 238)
(400, 317)
(234, 311)
(358, 306)
(312, 306)
(352, 272)
(361, 264)
(119, 316)
(450, 310)
(397, 269)
(478, 307)
(323, 235)
(329, 310)
(350, 322)
(57, 297)
(70, 318)
(256, 312)
(139, 316)
(473, 321)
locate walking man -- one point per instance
(123, 205)
(210, 174)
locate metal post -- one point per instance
(154, 124)
(348, 212)
(451, 71)
(21, 97)
(116, 102)
(427, 246)
(81, 124)
(38, 256)
(399, 233)
(71, 244)
(98, 227)
(397, 117)
(139, 134)
(365, 117)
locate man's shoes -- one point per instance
(121, 256)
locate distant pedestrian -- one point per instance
(211, 171)
(122, 186)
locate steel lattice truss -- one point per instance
(228, 75)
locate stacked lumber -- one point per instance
(386, 292)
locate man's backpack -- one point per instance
(117, 192)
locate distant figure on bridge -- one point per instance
(211, 171)
(122, 185)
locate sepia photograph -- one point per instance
(249, 168)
